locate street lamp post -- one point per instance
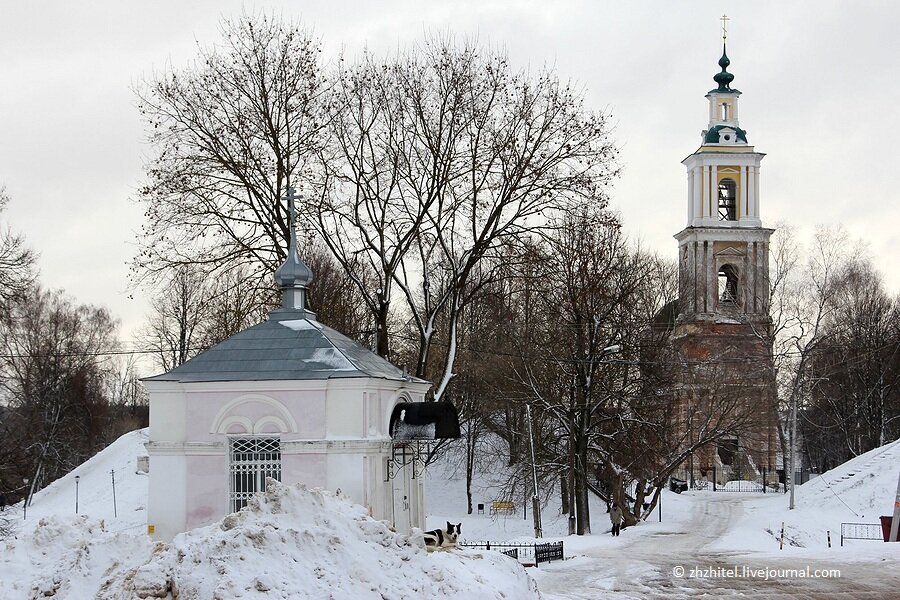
(77, 477)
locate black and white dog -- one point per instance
(442, 538)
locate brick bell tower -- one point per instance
(723, 331)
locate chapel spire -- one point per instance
(293, 276)
(724, 78)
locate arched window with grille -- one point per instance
(727, 200)
(252, 460)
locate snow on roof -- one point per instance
(290, 349)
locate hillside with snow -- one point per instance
(858, 491)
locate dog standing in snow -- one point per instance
(442, 538)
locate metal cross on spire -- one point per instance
(292, 217)
(724, 19)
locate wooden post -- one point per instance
(781, 543)
(829, 537)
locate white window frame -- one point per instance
(251, 459)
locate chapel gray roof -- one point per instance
(282, 348)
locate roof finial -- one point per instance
(293, 276)
(724, 78)
(292, 220)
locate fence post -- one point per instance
(714, 477)
(764, 480)
(115, 510)
(829, 537)
(781, 543)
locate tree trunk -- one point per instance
(382, 344)
(582, 511)
(470, 469)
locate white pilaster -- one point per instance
(714, 193)
(690, 207)
(756, 212)
(744, 195)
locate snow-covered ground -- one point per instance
(859, 491)
(298, 543)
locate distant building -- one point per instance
(290, 399)
(722, 331)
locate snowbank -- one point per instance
(66, 557)
(858, 491)
(292, 542)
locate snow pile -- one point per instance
(66, 557)
(291, 542)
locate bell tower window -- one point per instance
(727, 200)
(728, 284)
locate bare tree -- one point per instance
(17, 261)
(230, 134)
(176, 327)
(445, 157)
(854, 398)
(55, 370)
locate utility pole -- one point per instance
(571, 477)
(793, 449)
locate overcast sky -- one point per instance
(819, 80)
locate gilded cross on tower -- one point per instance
(724, 20)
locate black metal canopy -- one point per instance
(424, 421)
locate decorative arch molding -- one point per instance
(280, 416)
(270, 424)
(398, 397)
(236, 424)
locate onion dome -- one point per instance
(724, 78)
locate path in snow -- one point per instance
(644, 567)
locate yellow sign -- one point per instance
(151, 529)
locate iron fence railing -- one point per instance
(525, 553)
(861, 531)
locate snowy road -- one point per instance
(677, 565)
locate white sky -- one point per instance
(819, 82)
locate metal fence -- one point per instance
(861, 531)
(746, 484)
(529, 554)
